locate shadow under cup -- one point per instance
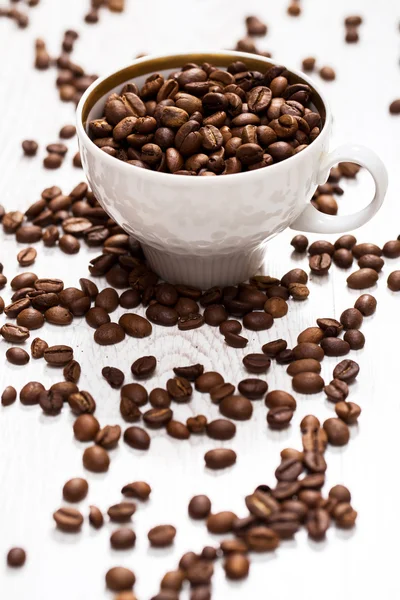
(206, 232)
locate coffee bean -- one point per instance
(276, 307)
(348, 412)
(196, 424)
(108, 437)
(16, 557)
(344, 515)
(17, 356)
(343, 258)
(144, 367)
(215, 314)
(109, 334)
(347, 370)
(289, 470)
(361, 279)
(221, 429)
(178, 430)
(317, 523)
(221, 522)
(205, 382)
(236, 407)
(199, 507)
(391, 249)
(230, 326)
(355, 339)
(107, 299)
(30, 393)
(137, 489)
(135, 393)
(261, 539)
(337, 390)
(15, 334)
(67, 131)
(95, 317)
(137, 438)
(219, 392)
(96, 459)
(220, 458)
(120, 578)
(128, 406)
(320, 263)
(255, 26)
(161, 536)
(236, 341)
(335, 346)
(394, 107)
(294, 276)
(366, 304)
(121, 512)
(72, 371)
(113, 376)
(57, 315)
(256, 363)
(360, 250)
(30, 318)
(393, 281)
(337, 431)
(351, 318)
(65, 389)
(58, 355)
(75, 489)
(68, 519)
(304, 365)
(311, 335)
(272, 349)
(81, 402)
(86, 428)
(27, 257)
(192, 321)
(156, 418)
(8, 396)
(279, 398)
(370, 261)
(159, 398)
(30, 147)
(308, 382)
(279, 417)
(162, 315)
(253, 388)
(51, 402)
(123, 539)
(300, 242)
(190, 372)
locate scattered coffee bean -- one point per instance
(156, 418)
(343, 258)
(348, 412)
(256, 363)
(221, 522)
(51, 402)
(320, 263)
(81, 402)
(96, 316)
(253, 388)
(86, 428)
(236, 407)
(113, 376)
(68, 519)
(8, 396)
(317, 523)
(220, 458)
(123, 539)
(393, 281)
(30, 147)
(109, 334)
(337, 390)
(161, 536)
(38, 348)
(137, 489)
(308, 383)
(120, 578)
(58, 355)
(16, 557)
(230, 326)
(337, 431)
(75, 489)
(355, 339)
(178, 430)
(347, 370)
(391, 249)
(308, 64)
(96, 459)
(67, 132)
(17, 356)
(121, 512)
(300, 242)
(279, 398)
(30, 393)
(366, 304)
(333, 346)
(255, 26)
(15, 334)
(27, 257)
(205, 382)
(221, 429)
(199, 507)
(144, 367)
(279, 417)
(137, 438)
(327, 73)
(304, 365)
(135, 325)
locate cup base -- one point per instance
(205, 271)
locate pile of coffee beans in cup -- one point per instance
(203, 120)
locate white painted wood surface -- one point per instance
(38, 454)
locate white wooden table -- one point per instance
(38, 454)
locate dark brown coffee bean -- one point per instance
(75, 489)
(16, 557)
(137, 438)
(205, 382)
(347, 370)
(137, 489)
(178, 430)
(219, 392)
(58, 315)
(366, 248)
(199, 507)
(192, 321)
(96, 459)
(107, 299)
(220, 458)
(196, 424)
(108, 437)
(337, 431)
(253, 388)
(215, 314)
(391, 249)
(16, 334)
(81, 402)
(370, 261)
(58, 355)
(108, 334)
(333, 346)
(67, 132)
(159, 398)
(17, 356)
(317, 523)
(304, 365)
(135, 393)
(113, 376)
(69, 244)
(135, 325)
(308, 383)
(221, 522)
(190, 372)
(279, 398)
(23, 280)
(120, 578)
(121, 512)
(123, 539)
(355, 339)
(68, 519)
(393, 281)
(337, 390)
(299, 242)
(320, 263)
(256, 363)
(289, 470)
(279, 417)
(27, 257)
(8, 396)
(30, 147)
(97, 316)
(161, 536)
(366, 304)
(144, 367)
(156, 418)
(261, 539)
(162, 315)
(308, 350)
(30, 318)
(361, 279)
(236, 341)
(293, 276)
(236, 407)
(258, 321)
(321, 247)
(348, 412)
(230, 326)
(272, 349)
(311, 335)
(86, 428)
(129, 408)
(343, 258)
(72, 371)
(351, 318)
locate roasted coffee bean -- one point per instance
(317, 523)
(300, 242)
(58, 355)
(75, 489)
(279, 417)
(294, 276)
(391, 249)
(236, 407)
(308, 382)
(123, 539)
(162, 315)
(108, 437)
(258, 321)
(298, 291)
(109, 334)
(113, 376)
(30, 147)
(393, 281)
(159, 398)
(337, 431)
(311, 335)
(8, 396)
(230, 326)
(205, 382)
(43, 300)
(156, 418)
(360, 250)
(366, 304)
(272, 349)
(361, 279)
(337, 390)
(137, 438)
(68, 519)
(347, 370)
(289, 470)
(351, 318)
(96, 316)
(276, 307)
(304, 365)
(135, 393)
(196, 424)
(96, 459)
(16, 557)
(333, 346)
(128, 407)
(320, 263)
(67, 132)
(343, 258)
(220, 458)
(235, 341)
(81, 402)
(346, 241)
(279, 398)
(370, 261)
(253, 388)
(120, 578)
(215, 314)
(256, 363)
(17, 356)
(86, 428)
(321, 247)
(65, 389)
(221, 429)
(72, 371)
(107, 299)
(23, 280)
(192, 321)
(308, 350)
(161, 536)
(137, 489)
(27, 257)
(58, 315)
(199, 507)
(16, 334)
(221, 522)
(178, 430)
(69, 244)
(355, 339)
(144, 367)
(261, 539)
(121, 512)
(348, 412)
(344, 515)
(221, 391)
(30, 318)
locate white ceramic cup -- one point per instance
(206, 231)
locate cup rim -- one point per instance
(186, 56)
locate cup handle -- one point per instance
(313, 221)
